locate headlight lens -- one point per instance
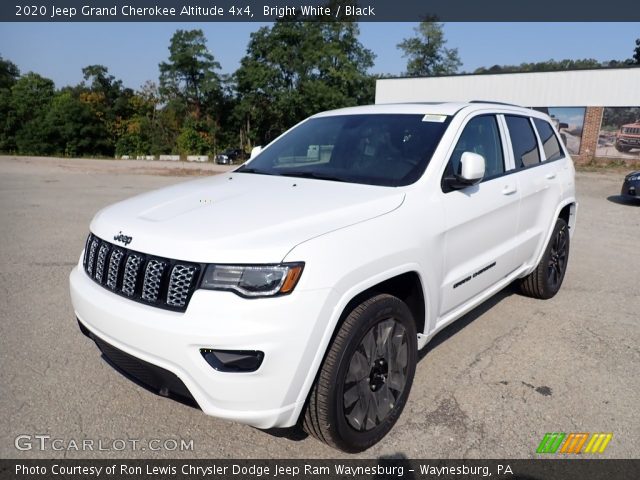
(253, 280)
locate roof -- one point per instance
(444, 108)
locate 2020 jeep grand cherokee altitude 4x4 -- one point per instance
(301, 285)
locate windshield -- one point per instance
(374, 149)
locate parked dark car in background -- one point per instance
(631, 185)
(230, 156)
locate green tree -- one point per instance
(636, 52)
(193, 140)
(343, 65)
(9, 74)
(545, 66)
(294, 69)
(613, 118)
(109, 101)
(71, 128)
(190, 74)
(31, 98)
(190, 87)
(557, 65)
(427, 54)
(141, 131)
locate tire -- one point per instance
(372, 359)
(623, 149)
(545, 281)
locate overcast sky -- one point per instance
(132, 51)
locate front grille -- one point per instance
(156, 281)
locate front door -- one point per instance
(481, 220)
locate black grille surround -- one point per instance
(147, 279)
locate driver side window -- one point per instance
(481, 136)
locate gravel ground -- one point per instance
(489, 386)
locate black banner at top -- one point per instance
(318, 10)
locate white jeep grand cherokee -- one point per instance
(299, 287)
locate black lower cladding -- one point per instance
(156, 378)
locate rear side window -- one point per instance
(550, 143)
(523, 139)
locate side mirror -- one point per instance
(472, 167)
(563, 125)
(255, 151)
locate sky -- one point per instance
(132, 51)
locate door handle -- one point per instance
(509, 189)
(550, 176)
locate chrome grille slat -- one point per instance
(180, 284)
(114, 268)
(100, 262)
(130, 278)
(92, 256)
(87, 244)
(154, 281)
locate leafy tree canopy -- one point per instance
(291, 70)
(427, 54)
(9, 73)
(294, 69)
(190, 74)
(553, 65)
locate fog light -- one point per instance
(233, 360)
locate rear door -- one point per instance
(481, 220)
(536, 153)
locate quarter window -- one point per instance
(550, 143)
(523, 140)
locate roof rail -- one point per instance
(495, 103)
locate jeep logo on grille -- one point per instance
(123, 238)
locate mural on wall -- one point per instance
(569, 121)
(619, 133)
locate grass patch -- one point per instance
(608, 165)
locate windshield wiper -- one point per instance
(316, 175)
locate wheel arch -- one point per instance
(568, 214)
(567, 211)
(407, 286)
(405, 283)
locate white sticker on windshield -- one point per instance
(430, 117)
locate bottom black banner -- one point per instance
(384, 468)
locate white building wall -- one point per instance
(576, 88)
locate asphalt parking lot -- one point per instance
(489, 386)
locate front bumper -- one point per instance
(628, 142)
(287, 329)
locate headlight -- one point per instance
(253, 280)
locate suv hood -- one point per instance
(240, 217)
